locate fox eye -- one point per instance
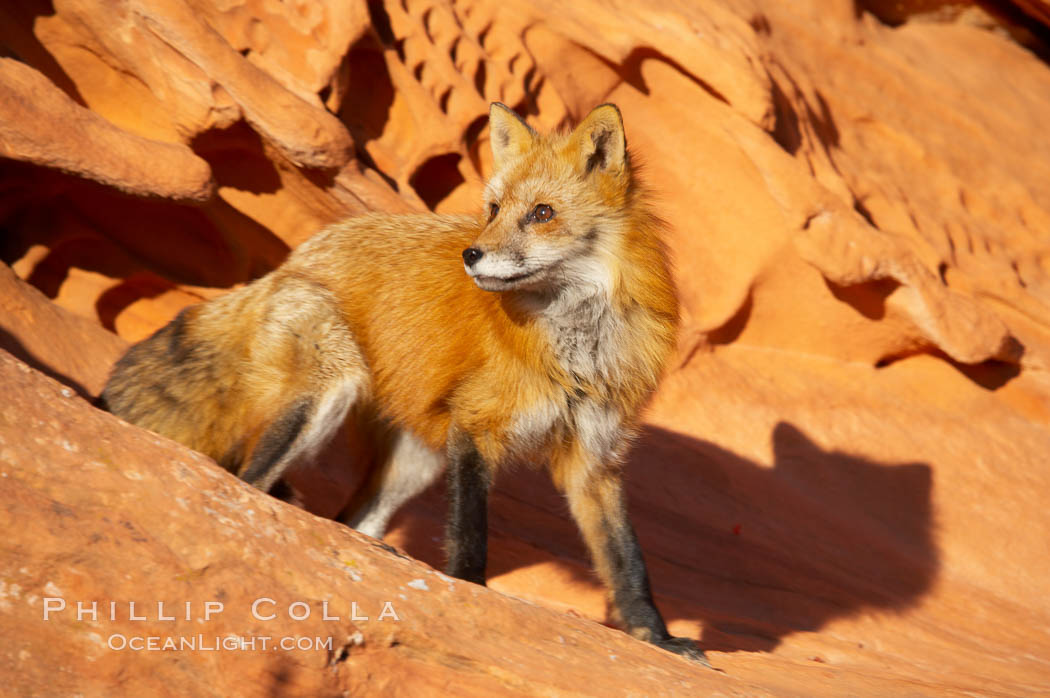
(542, 213)
(493, 210)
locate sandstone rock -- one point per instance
(1038, 9)
(72, 349)
(114, 59)
(90, 248)
(40, 124)
(898, 12)
(187, 81)
(1024, 20)
(302, 46)
(306, 134)
(839, 490)
(851, 254)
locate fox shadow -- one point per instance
(755, 553)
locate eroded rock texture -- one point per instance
(840, 490)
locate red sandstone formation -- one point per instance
(840, 490)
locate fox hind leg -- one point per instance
(407, 469)
(306, 359)
(298, 432)
(274, 449)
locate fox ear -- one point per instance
(601, 140)
(510, 135)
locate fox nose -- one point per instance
(471, 255)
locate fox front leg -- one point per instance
(632, 595)
(466, 529)
(599, 506)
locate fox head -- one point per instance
(555, 204)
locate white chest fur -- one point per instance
(587, 337)
(597, 427)
(586, 332)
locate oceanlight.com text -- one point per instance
(213, 643)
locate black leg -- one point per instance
(599, 506)
(274, 445)
(633, 596)
(466, 530)
(630, 582)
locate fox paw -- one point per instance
(685, 647)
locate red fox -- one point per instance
(545, 349)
